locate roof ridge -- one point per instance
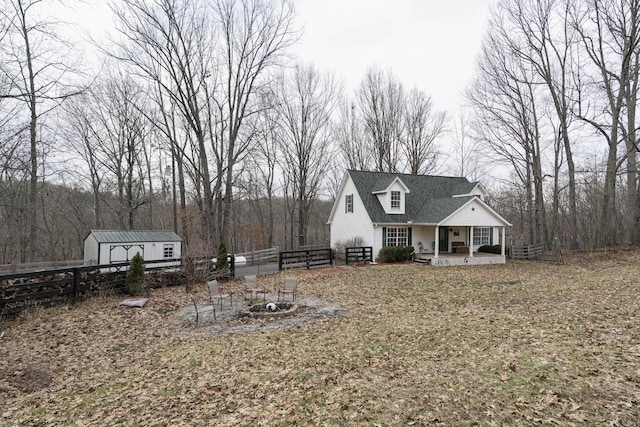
(409, 174)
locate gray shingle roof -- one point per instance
(383, 183)
(430, 199)
(132, 236)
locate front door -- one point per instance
(443, 239)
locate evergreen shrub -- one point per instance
(135, 275)
(222, 261)
(395, 254)
(491, 249)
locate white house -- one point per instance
(113, 246)
(436, 215)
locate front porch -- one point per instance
(458, 245)
(451, 259)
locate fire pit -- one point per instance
(272, 310)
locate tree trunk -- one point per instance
(573, 206)
(33, 148)
(632, 211)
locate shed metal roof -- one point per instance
(133, 236)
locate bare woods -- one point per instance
(196, 116)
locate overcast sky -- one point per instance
(428, 43)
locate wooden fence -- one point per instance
(46, 288)
(261, 257)
(358, 254)
(44, 265)
(537, 252)
(305, 258)
(526, 252)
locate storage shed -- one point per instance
(103, 247)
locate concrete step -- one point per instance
(423, 259)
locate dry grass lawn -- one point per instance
(527, 343)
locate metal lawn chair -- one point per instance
(195, 306)
(216, 296)
(290, 287)
(252, 288)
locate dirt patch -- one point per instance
(28, 379)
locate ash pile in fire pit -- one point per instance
(272, 310)
(271, 307)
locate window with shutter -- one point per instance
(348, 203)
(396, 236)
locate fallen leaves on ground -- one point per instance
(529, 343)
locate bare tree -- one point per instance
(351, 139)
(37, 64)
(381, 101)
(254, 36)
(14, 176)
(465, 149)
(170, 43)
(542, 36)
(610, 37)
(262, 177)
(173, 131)
(209, 60)
(507, 118)
(118, 138)
(630, 130)
(80, 141)
(422, 126)
(306, 101)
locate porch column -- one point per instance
(471, 242)
(502, 250)
(436, 239)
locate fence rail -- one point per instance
(44, 265)
(526, 252)
(20, 290)
(47, 288)
(261, 257)
(359, 254)
(307, 259)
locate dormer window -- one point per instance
(395, 200)
(392, 195)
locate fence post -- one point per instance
(76, 283)
(280, 261)
(308, 259)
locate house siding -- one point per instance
(424, 235)
(348, 226)
(473, 214)
(378, 238)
